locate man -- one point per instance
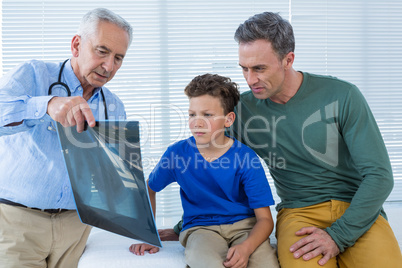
(324, 151)
(39, 226)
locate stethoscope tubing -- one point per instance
(68, 91)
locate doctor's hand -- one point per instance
(317, 242)
(71, 111)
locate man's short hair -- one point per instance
(270, 27)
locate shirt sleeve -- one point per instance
(19, 100)
(369, 154)
(255, 182)
(163, 174)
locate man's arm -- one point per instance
(20, 113)
(24, 101)
(19, 99)
(371, 159)
(69, 111)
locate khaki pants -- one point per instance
(377, 248)
(207, 246)
(32, 238)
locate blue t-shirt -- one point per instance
(223, 191)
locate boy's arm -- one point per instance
(238, 255)
(139, 249)
(152, 198)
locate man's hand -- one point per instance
(139, 249)
(168, 235)
(318, 242)
(237, 257)
(71, 111)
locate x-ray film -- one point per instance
(105, 170)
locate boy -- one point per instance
(224, 191)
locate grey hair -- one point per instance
(89, 22)
(270, 27)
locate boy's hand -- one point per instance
(237, 257)
(139, 249)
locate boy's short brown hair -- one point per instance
(215, 86)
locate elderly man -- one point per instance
(39, 225)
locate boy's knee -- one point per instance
(203, 257)
(264, 256)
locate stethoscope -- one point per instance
(67, 89)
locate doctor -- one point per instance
(39, 225)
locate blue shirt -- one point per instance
(32, 169)
(223, 191)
